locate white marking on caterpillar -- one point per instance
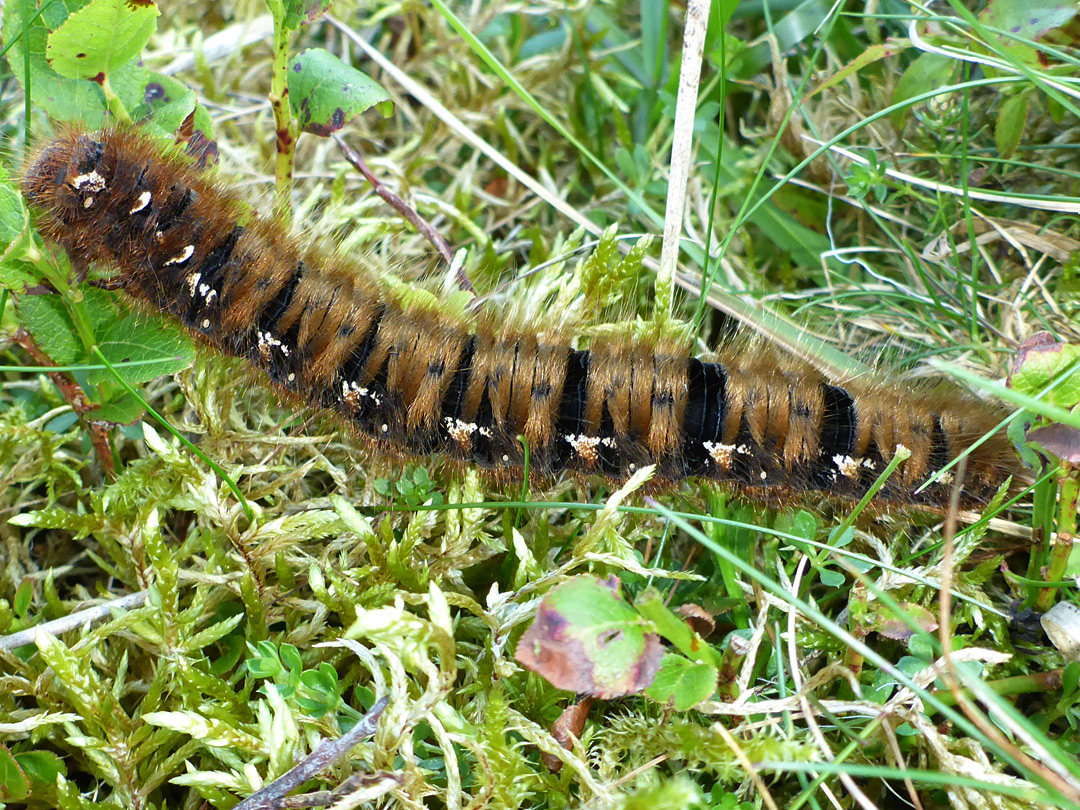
(721, 454)
(585, 446)
(141, 203)
(193, 282)
(185, 254)
(505, 457)
(93, 181)
(267, 341)
(206, 323)
(848, 467)
(352, 393)
(88, 202)
(291, 377)
(763, 475)
(460, 431)
(208, 292)
(946, 479)
(385, 428)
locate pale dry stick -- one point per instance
(697, 21)
(796, 676)
(325, 754)
(224, 43)
(73, 621)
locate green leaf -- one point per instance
(133, 338)
(126, 410)
(12, 211)
(99, 38)
(1011, 120)
(302, 12)
(924, 74)
(1040, 359)
(41, 766)
(14, 784)
(325, 93)
(831, 578)
(586, 639)
(681, 683)
(46, 318)
(63, 99)
(874, 53)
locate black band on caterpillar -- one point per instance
(414, 377)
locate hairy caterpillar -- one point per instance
(417, 379)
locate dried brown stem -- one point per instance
(73, 395)
(407, 213)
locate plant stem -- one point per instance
(284, 125)
(1069, 484)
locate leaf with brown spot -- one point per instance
(586, 639)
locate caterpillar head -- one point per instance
(65, 180)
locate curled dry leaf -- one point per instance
(700, 620)
(566, 729)
(586, 639)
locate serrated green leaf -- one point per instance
(1011, 121)
(325, 93)
(14, 784)
(135, 338)
(63, 99)
(98, 39)
(41, 766)
(46, 318)
(127, 410)
(12, 211)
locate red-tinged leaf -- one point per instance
(1039, 360)
(1027, 19)
(586, 639)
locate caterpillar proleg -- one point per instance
(424, 381)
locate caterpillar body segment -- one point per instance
(423, 381)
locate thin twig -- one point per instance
(73, 621)
(407, 212)
(326, 754)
